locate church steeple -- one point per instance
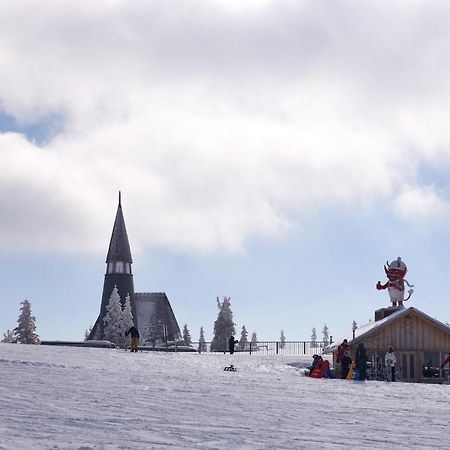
(118, 272)
(119, 247)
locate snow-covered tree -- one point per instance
(186, 335)
(326, 335)
(8, 337)
(24, 333)
(354, 325)
(113, 320)
(313, 337)
(224, 327)
(201, 341)
(282, 339)
(127, 316)
(155, 328)
(243, 341)
(254, 342)
(88, 332)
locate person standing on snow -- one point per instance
(340, 354)
(389, 362)
(361, 361)
(346, 362)
(447, 361)
(134, 334)
(231, 343)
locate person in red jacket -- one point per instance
(446, 361)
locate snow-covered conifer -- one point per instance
(127, 316)
(201, 341)
(326, 335)
(254, 342)
(224, 327)
(155, 328)
(24, 333)
(282, 339)
(313, 337)
(8, 337)
(354, 325)
(87, 333)
(243, 341)
(113, 320)
(186, 335)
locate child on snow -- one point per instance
(346, 361)
(389, 362)
(447, 361)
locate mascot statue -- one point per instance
(396, 271)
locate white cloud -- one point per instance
(219, 124)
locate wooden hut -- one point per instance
(420, 344)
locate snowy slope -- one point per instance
(85, 398)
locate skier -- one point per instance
(389, 362)
(134, 334)
(447, 361)
(345, 364)
(361, 361)
(231, 343)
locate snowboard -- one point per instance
(350, 372)
(230, 368)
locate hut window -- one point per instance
(431, 363)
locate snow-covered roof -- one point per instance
(372, 326)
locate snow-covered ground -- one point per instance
(84, 398)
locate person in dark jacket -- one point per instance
(361, 361)
(345, 364)
(231, 343)
(134, 334)
(316, 359)
(340, 354)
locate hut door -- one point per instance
(407, 368)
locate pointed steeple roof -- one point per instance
(119, 247)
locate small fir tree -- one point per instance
(127, 317)
(354, 325)
(155, 328)
(186, 335)
(224, 327)
(282, 339)
(254, 342)
(243, 341)
(8, 337)
(113, 320)
(326, 335)
(201, 341)
(87, 332)
(24, 333)
(314, 337)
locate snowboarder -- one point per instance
(134, 334)
(231, 343)
(361, 361)
(447, 361)
(389, 362)
(345, 364)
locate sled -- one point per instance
(230, 368)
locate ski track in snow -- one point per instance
(84, 399)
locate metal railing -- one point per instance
(272, 347)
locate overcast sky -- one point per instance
(278, 152)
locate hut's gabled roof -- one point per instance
(371, 327)
(119, 247)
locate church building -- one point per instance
(152, 314)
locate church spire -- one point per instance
(119, 247)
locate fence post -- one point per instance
(277, 348)
(250, 348)
(304, 347)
